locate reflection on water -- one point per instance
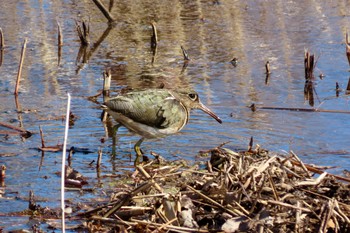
(212, 32)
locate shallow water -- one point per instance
(212, 33)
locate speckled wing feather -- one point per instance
(156, 108)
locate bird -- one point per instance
(154, 113)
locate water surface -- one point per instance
(212, 33)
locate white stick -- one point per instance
(64, 162)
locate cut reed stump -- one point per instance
(310, 64)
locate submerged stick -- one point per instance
(21, 131)
(253, 108)
(20, 65)
(63, 163)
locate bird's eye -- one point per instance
(192, 96)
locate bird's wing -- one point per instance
(156, 109)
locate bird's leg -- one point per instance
(138, 151)
(114, 138)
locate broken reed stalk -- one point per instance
(110, 6)
(267, 73)
(20, 65)
(59, 43)
(185, 54)
(267, 68)
(2, 46)
(347, 45)
(42, 137)
(348, 86)
(83, 33)
(250, 146)
(99, 158)
(2, 41)
(64, 162)
(106, 83)
(309, 62)
(2, 172)
(104, 11)
(154, 38)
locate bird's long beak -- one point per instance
(209, 112)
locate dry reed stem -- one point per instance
(99, 158)
(301, 164)
(2, 46)
(234, 212)
(59, 43)
(147, 176)
(42, 137)
(2, 40)
(104, 11)
(83, 33)
(185, 54)
(267, 68)
(154, 38)
(347, 47)
(19, 73)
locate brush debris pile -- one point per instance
(251, 191)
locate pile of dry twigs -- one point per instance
(250, 191)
